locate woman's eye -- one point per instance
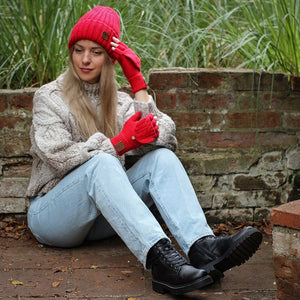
(77, 50)
(97, 52)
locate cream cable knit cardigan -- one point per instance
(58, 146)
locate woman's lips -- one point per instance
(85, 70)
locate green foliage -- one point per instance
(33, 40)
(258, 34)
(267, 36)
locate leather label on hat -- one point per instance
(105, 35)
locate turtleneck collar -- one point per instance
(92, 90)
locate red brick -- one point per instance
(287, 269)
(210, 80)
(166, 101)
(292, 120)
(217, 101)
(189, 119)
(247, 102)
(15, 145)
(287, 290)
(3, 103)
(287, 215)
(226, 163)
(281, 101)
(22, 101)
(227, 139)
(205, 101)
(267, 119)
(17, 170)
(187, 139)
(187, 100)
(216, 120)
(243, 182)
(166, 81)
(277, 139)
(277, 81)
(9, 122)
(295, 83)
(254, 120)
(250, 81)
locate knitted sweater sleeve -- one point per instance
(56, 138)
(167, 128)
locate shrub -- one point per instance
(258, 34)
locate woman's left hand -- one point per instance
(130, 64)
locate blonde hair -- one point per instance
(89, 120)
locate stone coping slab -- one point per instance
(287, 215)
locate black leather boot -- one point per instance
(171, 271)
(218, 254)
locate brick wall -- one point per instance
(15, 160)
(238, 134)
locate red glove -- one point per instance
(131, 66)
(135, 133)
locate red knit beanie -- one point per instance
(100, 25)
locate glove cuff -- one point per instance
(122, 145)
(118, 144)
(137, 82)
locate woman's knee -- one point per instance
(165, 156)
(104, 157)
(105, 160)
(104, 165)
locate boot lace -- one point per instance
(170, 255)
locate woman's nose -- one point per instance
(86, 57)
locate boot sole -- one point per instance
(162, 287)
(237, 254)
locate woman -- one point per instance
(82, 129)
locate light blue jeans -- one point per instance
(100, 199)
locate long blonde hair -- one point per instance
(89, 120)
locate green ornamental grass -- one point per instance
(255, 34)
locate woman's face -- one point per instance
(88, 58)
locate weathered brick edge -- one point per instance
(286, 249)
(287, 215)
